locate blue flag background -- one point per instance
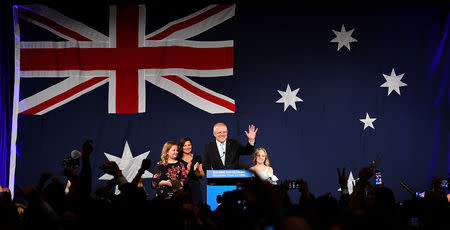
(277, 45)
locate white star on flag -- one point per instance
(343, 38)
(368, 121)
(350, 182)
(393, 82)
(289, 97)
(128, 164)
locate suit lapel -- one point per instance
(228, 151)
(217, 153)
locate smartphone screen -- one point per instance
(293, 184)
(420, 194)
(378, 178)
(444, 184)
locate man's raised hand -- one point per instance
(251, 134)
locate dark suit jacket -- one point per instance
(211, 157)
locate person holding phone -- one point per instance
(261, 166)
(379, 182)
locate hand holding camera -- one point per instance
(378, 179)
(293, 184)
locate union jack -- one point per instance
(126, 59)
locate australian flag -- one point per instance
(327, 87)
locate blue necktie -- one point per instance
(222, 152)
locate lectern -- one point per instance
(220, 181)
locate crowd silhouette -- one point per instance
(258, 205)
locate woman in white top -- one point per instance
(261, 166)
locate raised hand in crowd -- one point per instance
(144, 166)
(146, 163)
(365, 173)
(342, 179)
(306, 198)
(436, 191)
(111, 168)
(85, 182)
(87, 148)
(343, 183)
(39, 213)
(356, 202)
(32, 194)
(45, 176)
(70, 173)
(303, 187)
(9, 212)
(284, 185)
(436, 183)
(264, 203)
(72, 184)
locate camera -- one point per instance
(69, 162)
(72, 161)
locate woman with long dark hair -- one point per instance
(195, 170)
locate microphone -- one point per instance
(223, 154)
(75, 154)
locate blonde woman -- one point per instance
(170, 174)
(261, 166)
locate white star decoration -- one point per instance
(128, 164)
(368, 121)
(393, 82)
(350, 182)
(343, 38)
(289, 98)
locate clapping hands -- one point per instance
(196, 167)
(188, 166)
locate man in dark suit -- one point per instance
(224, 153)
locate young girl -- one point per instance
(261, 166)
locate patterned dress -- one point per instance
(170, 171)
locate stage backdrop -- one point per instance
(326, 86)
